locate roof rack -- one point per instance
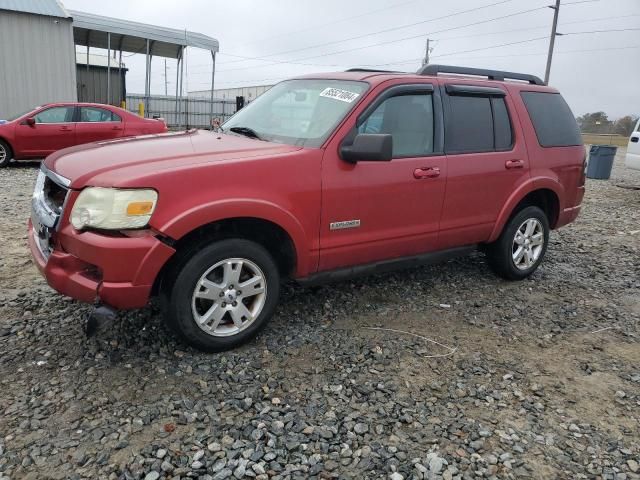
(481, 72)
(373, 70)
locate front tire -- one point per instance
(6, 154)
(519, 250)
(218, 296)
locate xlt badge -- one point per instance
(344, 224)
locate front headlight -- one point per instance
(112, 208)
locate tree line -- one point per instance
(598, 122)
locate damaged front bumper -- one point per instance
(114, 269)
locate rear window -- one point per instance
(477, 124)
(471, 126)
(552, 119)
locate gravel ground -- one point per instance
(544, 381)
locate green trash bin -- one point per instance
(601, 161)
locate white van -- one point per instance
(633, 149)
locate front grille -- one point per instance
(54, 195)
(46, 208)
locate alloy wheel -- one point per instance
(528, 244)
(229, 297)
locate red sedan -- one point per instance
(55, 126)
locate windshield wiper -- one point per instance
(246, 131)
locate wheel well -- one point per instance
(545, 199)
(6, 142)
(268, 234)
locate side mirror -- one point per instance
(31, 121)
(376, 147)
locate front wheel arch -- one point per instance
(271, 236)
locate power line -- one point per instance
(422, 22)
(417, 60)
(445, 38)
(387, 42)
(440, 55)
(263, 57)
(558, 52)
(286, 34)
(536, 28)
(602, 31)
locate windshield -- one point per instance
(297, 112)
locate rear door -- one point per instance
(54, 130)
(633, 149)
(95, 123)
(486, 159)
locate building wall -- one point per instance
(92, 84)
(37, 61)
(249, 93)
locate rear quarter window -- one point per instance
(552, 119)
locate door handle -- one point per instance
(635, 139)
(65, 129)
(426, 172)
(509, 164)
(116, 128)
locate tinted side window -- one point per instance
(502, 125)
(552, 119)
(470, 126)
(55, 115)
(409, 120)
(95, 114)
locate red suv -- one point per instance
(322, 177)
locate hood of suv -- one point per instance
(113, 162)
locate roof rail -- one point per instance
(373, 70)
(481, 72)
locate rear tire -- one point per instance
(219, 295)
(6, 154)
(519, 250)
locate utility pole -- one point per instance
(552, 40)
(427, 51)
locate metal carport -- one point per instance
(133, 37)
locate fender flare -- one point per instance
(533, 184)
(201, 215)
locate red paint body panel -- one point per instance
(42, 139)
(126, 267)
(479, 184)
(399, 214)
(203, 177)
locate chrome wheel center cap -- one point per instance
(231, 295)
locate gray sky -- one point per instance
(594, 71)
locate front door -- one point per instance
(95, 124)
(54, 130)
(486, 158)
(377, 210)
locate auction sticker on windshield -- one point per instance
(339, 94)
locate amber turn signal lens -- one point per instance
(139, 208)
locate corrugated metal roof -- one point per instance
(51, 8)
(131, 36)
